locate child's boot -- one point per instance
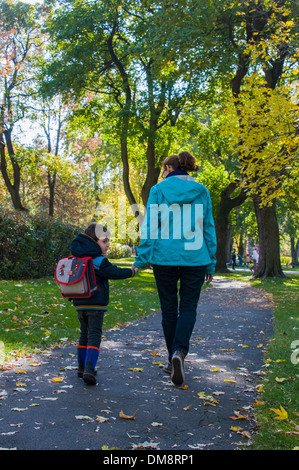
(81, 356)
(92, 354)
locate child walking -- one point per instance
(94, 242)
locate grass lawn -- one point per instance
(280, 386)
(34, 316)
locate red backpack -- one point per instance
(76, 277)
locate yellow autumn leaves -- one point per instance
(281, 413)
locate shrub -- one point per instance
(30, 246)
(117, 251)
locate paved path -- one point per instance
(222, 372)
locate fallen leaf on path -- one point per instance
(209, 399)
(146, 445)
(83, 417)
(235, 428)
(238, 416)
(110, 448)
(56, 379)
(211, 402)
(48, 398)
(246, 434)
(101, 419)
(124, 416)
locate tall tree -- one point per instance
(107, 49)
(19, 44)
(267, 118)
(238, 44)
(51, 116)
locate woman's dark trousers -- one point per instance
(178, 312)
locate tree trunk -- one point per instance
(51, 184)
(223, 229)
(268, 232)
(152, 171)
(13, 188)
(256, 22)
(295, 252)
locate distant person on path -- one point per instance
(255, 258)
(234, 259)
(178, 238)
(94, 242)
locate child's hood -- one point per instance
(83, 245)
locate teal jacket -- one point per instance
(178, 228)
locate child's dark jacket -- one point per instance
(83, 246)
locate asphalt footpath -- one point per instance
(135, 406)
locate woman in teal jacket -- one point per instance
(178, 238)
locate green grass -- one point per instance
(280, 386)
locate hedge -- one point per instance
(30, 246)
(117, 251)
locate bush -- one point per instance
(117, 251)
(30, 246)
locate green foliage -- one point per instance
(215, 179)
(31, 246)
(117, 251)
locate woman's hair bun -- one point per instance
(187, 161)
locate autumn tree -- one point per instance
(250, 47)
(51, 116)
(20, 43)
(267, 130)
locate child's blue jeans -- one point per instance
(178, 314)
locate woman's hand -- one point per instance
(135, 269)
(209, 278)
